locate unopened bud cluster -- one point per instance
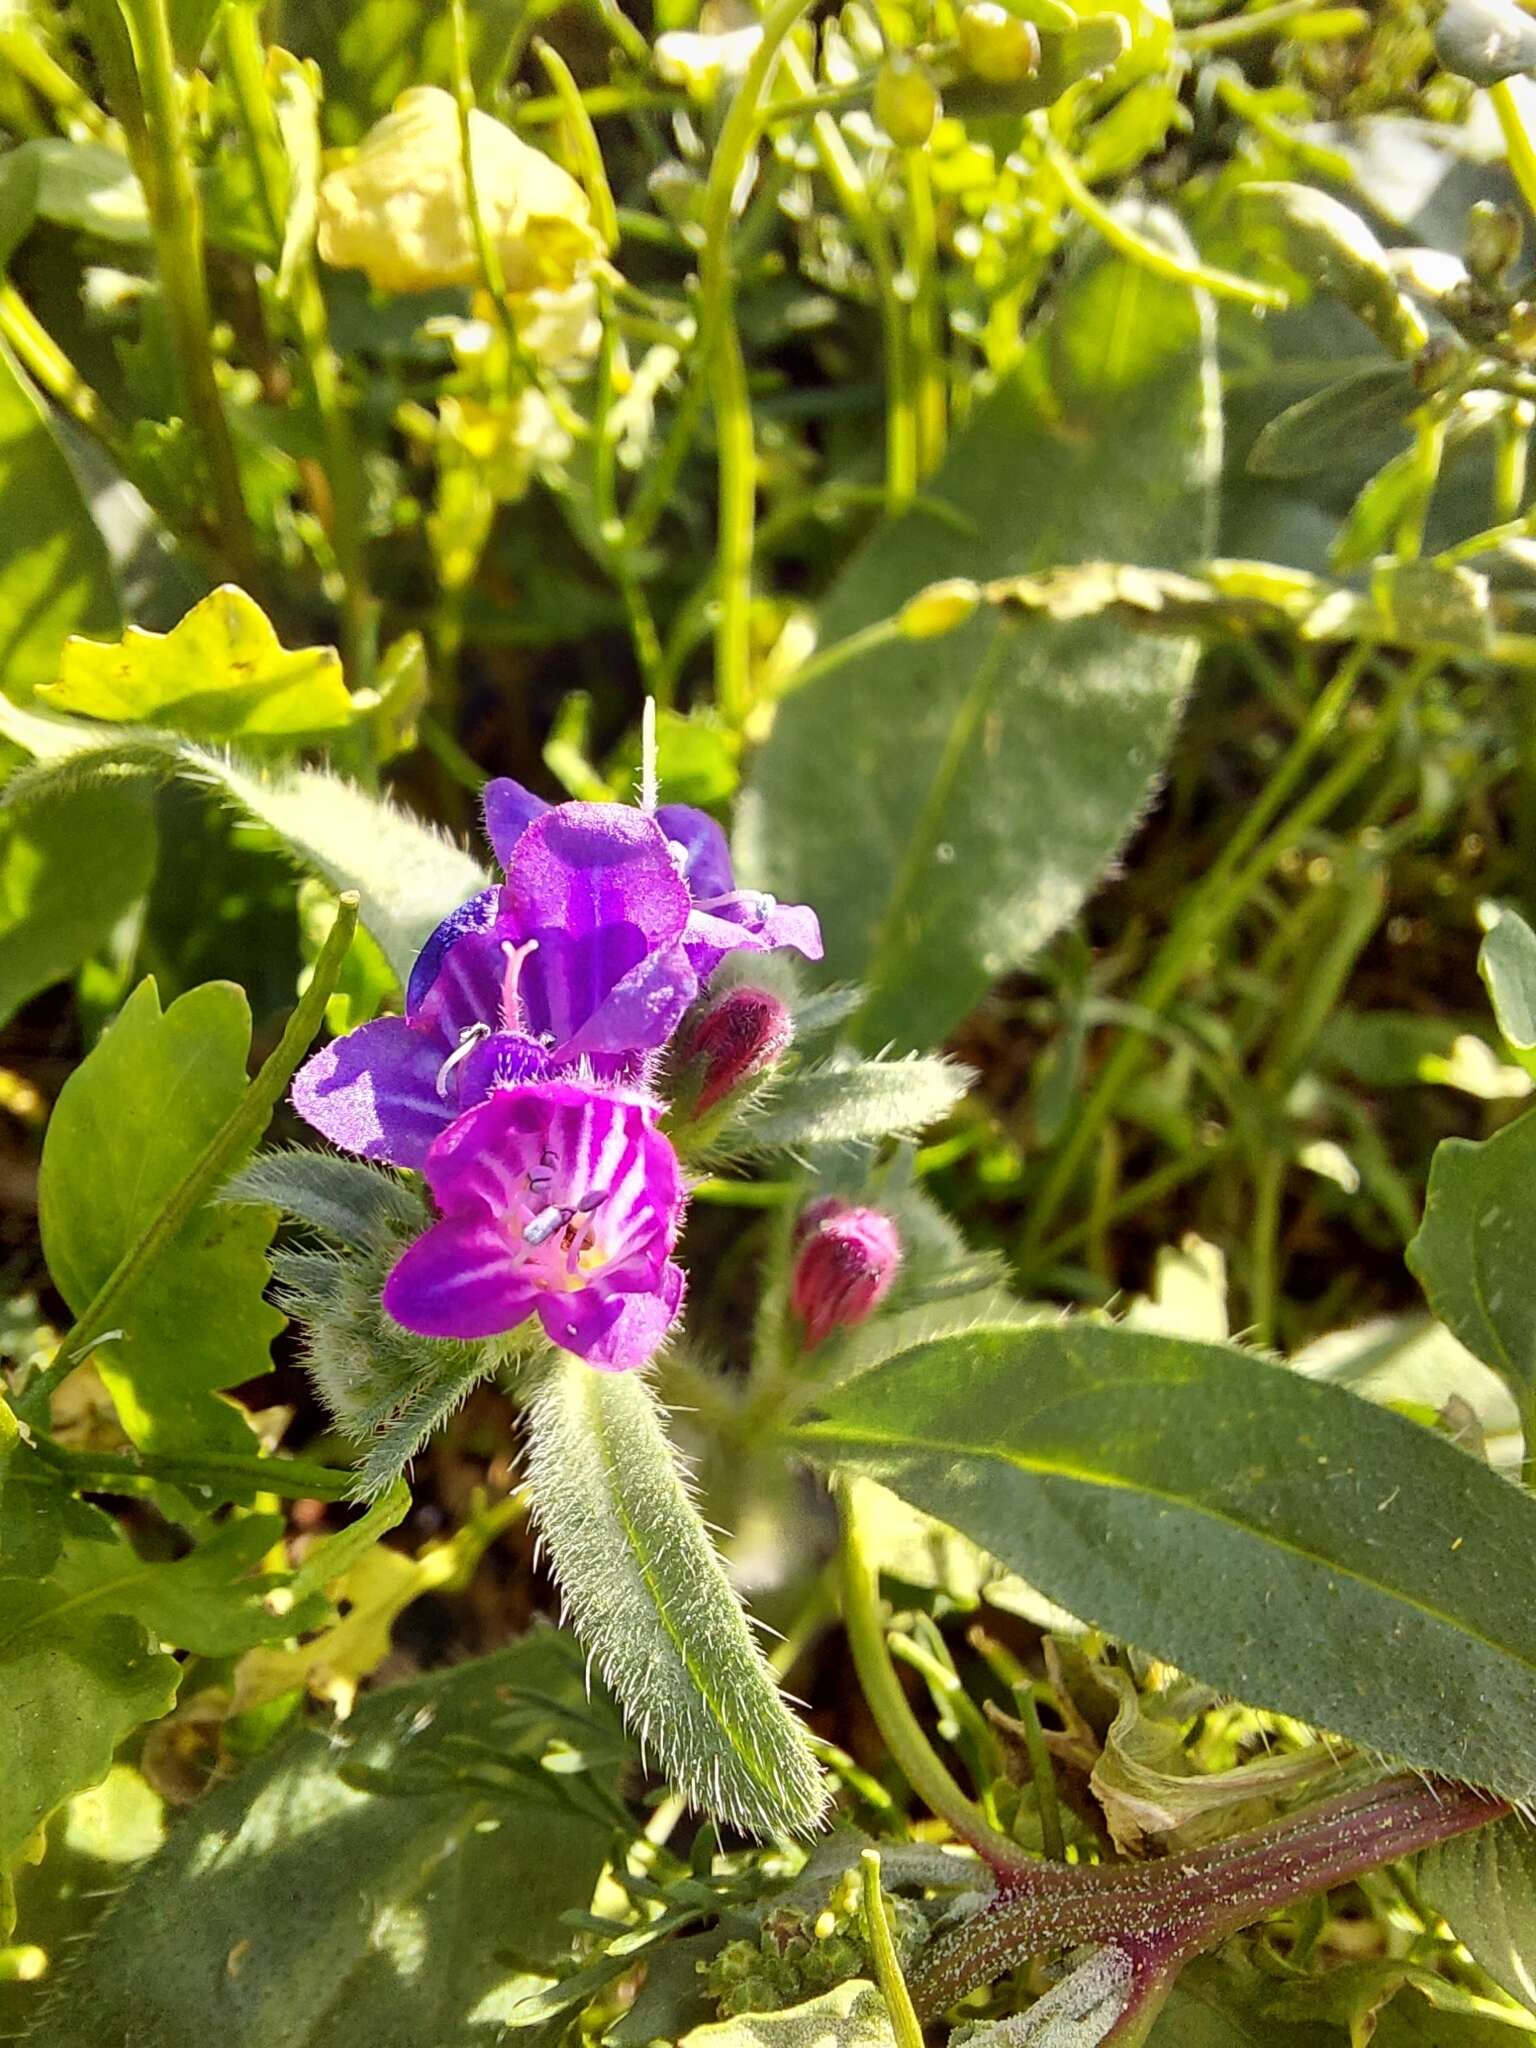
(738, 1037)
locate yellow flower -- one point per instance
(398, 209)
(703, 62)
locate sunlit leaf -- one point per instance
(70, 867)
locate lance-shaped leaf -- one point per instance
(1279, 1538)
(858, 1103)
(1471, 1255)
(947, 803)
(221, 674)
(129, 1124)
(408, 874)
(648, 1596)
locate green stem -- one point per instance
(1212, 905)
(1517, 141)
(1264, 1240)
(910, 1749)
(176, 224)
(1043, 1772)
(110, 1472)
(877, 1932)
(235, 1136)
(720, 351)
(41, 355)
(1262, 21)
(345, 522)
(927, 315)
(1221, 284)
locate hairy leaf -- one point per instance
(1472, 1252)
(648, 1596)
(359, 1205)
(408, 874)
(947, 803)
(852, 1103)
(1485, 1886)
(61, 580)
(292, 1907)
(1281, 1539)
(129, 1123)
(221, 674)
(70, 867)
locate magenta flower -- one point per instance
(579, 960)
(559, 1201)
(724, 919)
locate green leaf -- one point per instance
(1330, 247)
(359, 1205)
(1506, 961)
(73, 1684)
(648, 1596)
(408, 874)
(1218, 2003)
(291, 1907)
(87, 186)
(1305, 439)
(221, 674)
(1471, 1255)
(1484, 1884)
(854, 1102)
(61, 581)
(1278, 1538)
(948, 803)
(852, 2016)
(129, 1124)
(70, 868)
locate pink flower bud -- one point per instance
(844, 1267)
(737, 1037)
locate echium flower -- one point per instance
(557, 1201)
(518, 1079)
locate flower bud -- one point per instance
(1493, 240)
(846, 1261)
(906, 102)
(996, 45)
(938, 609)
(737, 1037)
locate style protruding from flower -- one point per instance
(559, 1202)
(845, 1261)
(741, 1035)
(520, 1078)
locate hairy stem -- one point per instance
(1162, 1913)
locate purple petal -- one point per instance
(638, 1014)
(460, 1279)
(468, 986)
(477, 915)
(375, 1092)
(480, 1163)
(747, 922)
(504, 1060)
(617, 1332)
(583, 867)
(707, 855)
(509, 811)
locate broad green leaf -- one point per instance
(1283, 1540)
(73, 1683)
(70, 867)
(648, 1596)
(854, 1102)
(1485, 1886)
(947, 803)
(221, 674)
(290, 1909)
(1305, 439)
(129, 1123)
(408, 874)
(1506, 961)
(1472, 1252)
(61, 581)
(852, 2016)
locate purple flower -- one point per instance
(580, 959)
(724, 919)
(559, 1201)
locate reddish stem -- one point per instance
(1162, 1913)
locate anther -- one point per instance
(469, 1038)
(544, 1225)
